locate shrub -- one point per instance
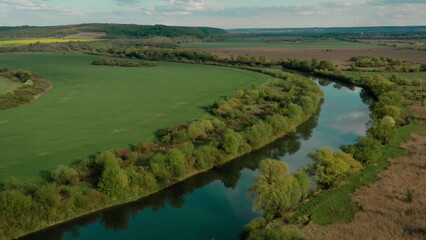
(366, 150)
(14, 205)
(176, 161)
(113, 182)
(65, 175)
(331, 168)
(231, 141)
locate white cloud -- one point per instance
(32, 6)
(181, 8)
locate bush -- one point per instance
(113, 182)
(176, 161)
(65, 175)
(381, 130)
(231, 141)
(14, 205)
(366, 150)
(330, 168)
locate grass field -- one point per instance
(261, 43)
(32, 41)
(7, 85)
(95, 108)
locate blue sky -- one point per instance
(216, 13)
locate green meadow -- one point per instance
(95, 108)
(271, 43)
(7, 85)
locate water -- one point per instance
(215, 204)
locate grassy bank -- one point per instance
(336, 206)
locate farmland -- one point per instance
(334, 50)
(278, 43)
(10, 43)
(100, 107)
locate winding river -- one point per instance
(215, 204)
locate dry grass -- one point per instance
(387, 212)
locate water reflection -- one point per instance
(117, 218)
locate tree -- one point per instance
(276, 189)
(65, 175)
(231, 141)
(113, 181)
(366, 150)
(14, 205)
(176, 160)
(331, 168)
(381, 130)
(158, 167)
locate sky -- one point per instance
(216, 13)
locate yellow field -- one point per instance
(32, 41)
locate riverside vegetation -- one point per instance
(339, 173)
(237, 125)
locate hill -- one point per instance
(333, 31)
(109, 31)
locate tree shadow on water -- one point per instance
(117, 218)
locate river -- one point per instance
(215, 204)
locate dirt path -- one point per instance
(387, 213)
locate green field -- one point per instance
(7, 85)
(11, 43)
(261, 43)
(95, 108)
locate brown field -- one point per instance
(386, 211)
(338, 55)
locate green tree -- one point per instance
(381, 130)
(65, 175)
(366, 150)
(114, 181)
(231, 141)
(14, 205)
(331, 168)
(276, 190)
(176, 160)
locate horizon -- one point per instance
(226, 14)
(271, 28)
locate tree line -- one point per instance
(122, 63)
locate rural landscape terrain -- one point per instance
(139, 131)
